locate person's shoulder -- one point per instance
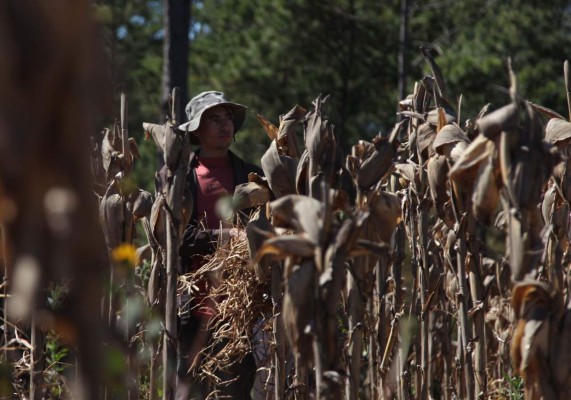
(247, 166)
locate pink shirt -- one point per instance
(215, 179)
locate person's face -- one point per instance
(216, 130)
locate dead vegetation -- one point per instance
(371, 274)
(351, 317)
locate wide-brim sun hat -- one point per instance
(206, 100)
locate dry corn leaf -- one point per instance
(567, 75)
(516, 245)
(424, 138)
(156, 232)
(270, 129)
(286, 132)
(484, 111)
(560, 355)
(298, 306)
(529, 296)
(260, 180)
(134, 149)
(386, 214)
(476, 153)
(486, 192)
(546, 111)
(503, 119)
(248, 195)
(419, 97)
(157, 132)
(301, 181)
(319, 141)
(451, 141)
(536, 165)
(112, 215)
(341, 201)
(376, 163)
(362, 149)
(258, 230)
(505, 164)
(279, 170)
(565, 180)
(437, 173)
(436, 72)
(451, 287)
(441, 119)
(301, 213)
(347, 235)
(558, 131)
(555, 211)
(156, 276)
(410, 172)
(434, 117)
(157, 220)
(111, 154)
(173, 146)
(526, 161)
(359, 152)
(157, 282)
(142, 204)
(525, 245)
(407, 103)
(533, 305)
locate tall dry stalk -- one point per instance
(175, 147)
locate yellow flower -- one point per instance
(125, 253)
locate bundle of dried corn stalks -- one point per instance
(241, 302)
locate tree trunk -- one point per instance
(403, 48)
(177, 15)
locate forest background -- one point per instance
(273, 54)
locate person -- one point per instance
(214, 171)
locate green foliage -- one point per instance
(474, 38)
(55, 355)
(273, 55)
(515, 387)
(133, 38)
(143, 272)
(144, 169)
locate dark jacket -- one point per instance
(198, 242)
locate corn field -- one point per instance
(420, 265)
(430, 262)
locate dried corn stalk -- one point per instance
(175, 205)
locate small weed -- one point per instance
(55, 366)
(514, 389)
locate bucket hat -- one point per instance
(202, 102)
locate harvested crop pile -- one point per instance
(242, 304)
